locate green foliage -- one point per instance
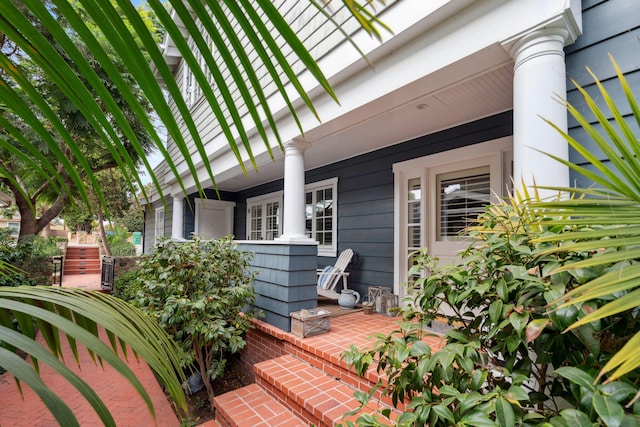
(506, 361)
(118, 244)
(77, 313)
(197, 290)
(132, 219)
(127, 285)
(32, 256)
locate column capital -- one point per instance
(547, 41)
(296, 146)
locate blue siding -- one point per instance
(609, 27)
(150, 222)
(365, 196)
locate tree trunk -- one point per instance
(30, 224)
(103, 234)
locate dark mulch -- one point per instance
(200, 409)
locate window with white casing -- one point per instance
(264, 217)
(159, 224)
(321, 215)
(438, 196)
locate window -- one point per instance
(438, 196)
(462, 196)
(14, 227)
(321, 216)
(159, 224)
(264, 216)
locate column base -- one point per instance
(295, 238)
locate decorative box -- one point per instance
(306, 323)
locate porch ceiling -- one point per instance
(412, 111)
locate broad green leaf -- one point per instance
(576, 418)
(495, 311)
(504, 413)
(443, 413)
(608, 409)
(577, 376)
(518, 321)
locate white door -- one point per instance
(214, 218)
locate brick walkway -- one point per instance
(124, 403)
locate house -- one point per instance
(450, 115)
(9, 215)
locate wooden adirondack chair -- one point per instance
(329, 276)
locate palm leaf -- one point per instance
(131, 326)
(615, 206)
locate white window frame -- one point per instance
(263, 200)
(158, 225)
(323, 250)
(497, 154)
(326, 250)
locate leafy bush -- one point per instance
(127, 285)
(122, 248)
(197, 290)
(507, 361)
(31, 255)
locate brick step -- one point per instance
(84, 253)
(81, 272)
(307, 391)
(82, 262)
(251, 406)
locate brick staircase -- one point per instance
(299, 382)
(84, 259)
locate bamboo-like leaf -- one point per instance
(616, 203)
(25, 373)
(619, 305)
(625, 360)
(143, 335)
(34, 349)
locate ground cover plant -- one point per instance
(543, 304)
(199, 291)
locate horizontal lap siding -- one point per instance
(609, 27)
(365, 196)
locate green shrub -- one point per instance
(122, 248)
(507, 361)
(127, 285)
(197, 290)
(31, 255)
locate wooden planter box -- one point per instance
(307, 323)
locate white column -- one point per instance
(177, 217)
(539, 81)
(294, 202)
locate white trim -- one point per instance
(221, 204)
(157, 226)
(276, 196)
(326, 250)
(496, 154)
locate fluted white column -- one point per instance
(539, 80)
(294, 202)
(177, 217)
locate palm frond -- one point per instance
(612, 207)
